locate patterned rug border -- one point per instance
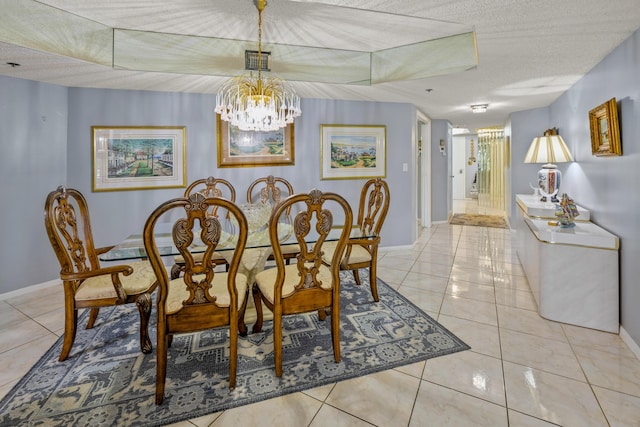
(478, 220)
(82, 341)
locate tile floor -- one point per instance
(522, 370)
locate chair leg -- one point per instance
(161, 366)
(335, 331)
(373, 282)
(277, 340)
(257, 301)
(70, 326)
(242, 327)
(322, 314)
(143, 302)
(356, 276)
(93, 315)
(233, 356)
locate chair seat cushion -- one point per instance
(141, 280)
(290, 249)
(358, 254)
(266, 280)
(178, 291)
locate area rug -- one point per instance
(494, 221)
(108, 381)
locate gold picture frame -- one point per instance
(353, 152)
(238, 148)
(605, 131)
(138, 157)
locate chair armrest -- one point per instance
(115, 269)
(100, 251)
(364, 241)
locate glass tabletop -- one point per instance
(133, 247)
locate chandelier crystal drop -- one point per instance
(256, 103)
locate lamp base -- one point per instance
(554, 199)
(549, 178)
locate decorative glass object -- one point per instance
(258, 103)
(257, 215)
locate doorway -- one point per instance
(481, 158)
(492, 166)
(464, 168)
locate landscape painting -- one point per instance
(134, 158)
(353, 152)
(252, 148)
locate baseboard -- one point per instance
(633, 346)
(28, 289)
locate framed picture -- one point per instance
(251, 148)
(605, 131)
(138, 158)
(352, 152)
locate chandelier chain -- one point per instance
(261, 5)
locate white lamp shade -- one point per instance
(548, 149)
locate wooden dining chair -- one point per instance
(363, 253)
(208, 187)
(87, 284)
(309, 284)
(272, 189)
(201, 298)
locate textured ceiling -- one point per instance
(528, 52)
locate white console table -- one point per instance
(572, 272)
(532, 207)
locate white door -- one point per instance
(458, 167)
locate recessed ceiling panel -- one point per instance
(171, 53)
(36, 26)
(427, 59)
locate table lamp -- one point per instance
(548, 149)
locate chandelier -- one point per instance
(257, 103)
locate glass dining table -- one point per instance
(254, 259)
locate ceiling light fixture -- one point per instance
(258, 104)
(479, 108)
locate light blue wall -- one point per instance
(44, 154)
(608, 187)
(33, 147)
(526, 125)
